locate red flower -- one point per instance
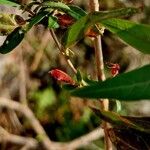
(114, 68)
(59, 75)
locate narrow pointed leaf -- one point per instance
(35, 20)
(132, 133)
(79, 76)
(136, 35)
(52, 22)
(57, 5)
(76, 12)
(77, 30)
(116, 120)
(12, 40)
(134, 85)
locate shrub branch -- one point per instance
(94, 6)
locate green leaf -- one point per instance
(68, 87)
(12, 40)
(52, 22)
(119, 121)
(6, 2)
(79, 76)
(136, 35)
(7, 24)
(134, 85)
(35, 20)
(77, 30)
(137, 123)
(76, 12)
(56, 5)
(132, 133)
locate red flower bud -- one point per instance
(114, 68)
(61, 76)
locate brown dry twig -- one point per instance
(19, 140)
(94, 6)
(25, 110)
(62, 50)
(47, 143)
(86, 139)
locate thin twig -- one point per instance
(86, 139)
(62, 50)
(19, 140)
(25, 110)
(79, 142)
(49, 145)
(94, 6)
(12, 117)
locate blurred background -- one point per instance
(24, 76)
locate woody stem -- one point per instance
(94, 6)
